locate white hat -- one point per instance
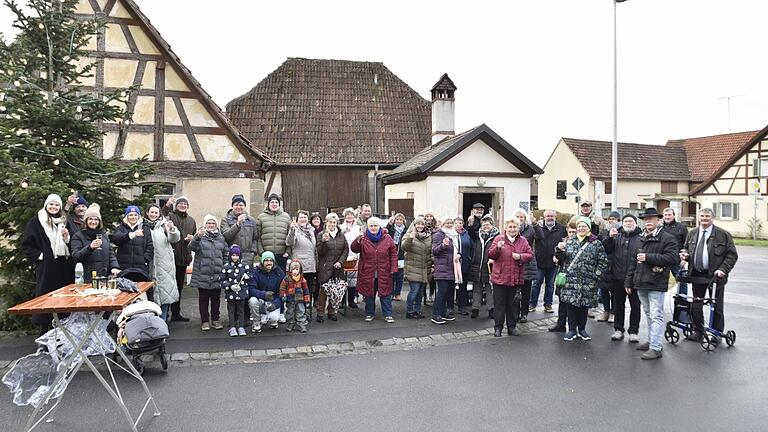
(52, 198)
(210, 217)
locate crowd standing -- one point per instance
(276, 269)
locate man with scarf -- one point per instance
(176, 209)
(621, 247)
(547, 234)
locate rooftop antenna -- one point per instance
(728, 98)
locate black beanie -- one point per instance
(238, 198)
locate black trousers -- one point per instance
(506, 302)
(181, 274)
(619, 303)
(577, 317)
(525, 296)
(697, 307)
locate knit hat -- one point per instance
(52, 198)
(446, 219)
(182, 199)
(419, 219)
(629, 215)
(267, 255)
(584, 219)
(92, 211)
(374, 219)
(132, 209)
(238, 198)
(274, 196)
(614, 214)
(210, 217)
(81, 201)
(234, 250)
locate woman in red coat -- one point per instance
(509, 252)
(377, 262)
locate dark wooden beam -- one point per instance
(159, 110)
(188, 129)
(126, 56)
(108, 7)
(145, 128)
(99, 82)
(95, 6)
(195, 169)
(147, 92)
(108, 19)
(129, 38)
(123, 132)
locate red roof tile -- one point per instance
(706, 155)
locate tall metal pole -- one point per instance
(614, 144)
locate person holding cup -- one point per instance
(135, 249)
(163, 268)
(621, 247)
(176, 209)
(90, 246)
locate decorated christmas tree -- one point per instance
(49, 133)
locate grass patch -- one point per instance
(750, 242)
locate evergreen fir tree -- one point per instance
(49, 133)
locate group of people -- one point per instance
(273, 268)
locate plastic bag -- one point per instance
(335, 289)
(77, 324)
(32, 376)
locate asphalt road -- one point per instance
(534, 382)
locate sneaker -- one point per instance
(303, 330)
(513, 332)
(241, 331)
(604, 317)
(651, 355)
(369, 318)
(548, 309)
(217, 325)
(611, 319)
(584, 335)
(205, 327)
(633, 338)
(256, 328)
(281, 320)
(389, 320)
(448, 317)
(475, 313)
(618, 335)
(273, 325)
(644, 346)
(524, 319)
(591, 313)
(232, 332)
(571, 335)
(263, 318)
(532, 309)
(438, 320)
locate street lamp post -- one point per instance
(614, 144)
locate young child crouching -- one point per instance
(232, 278)
(295, 295)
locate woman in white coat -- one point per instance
(163, 268)
(302, 242)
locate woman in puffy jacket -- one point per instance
(417, 244)
(446, 253)
(163, 267)
(510, 252)
(531, 268)
(133, 239)
(91, 247)
(211, 252)
(332, 251)
(302, 241)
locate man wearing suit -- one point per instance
(711, 254)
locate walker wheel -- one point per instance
(164, 360)
(707, 343)
(686, 331)
(671, 335)
(730, 338)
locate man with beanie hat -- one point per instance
(621, 247)
(175, 209)
(605, 294)
(263, 289)
(272, 227)
(75, 207)
(240, 228)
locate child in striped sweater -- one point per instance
(295, 295)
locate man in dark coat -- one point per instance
(680, 232)
(547, 234)
(711, 255)
(648, 274)
(621, 247)
(176, 210)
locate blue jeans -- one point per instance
(653, 306)
(415, 294)
(164, 311)
(548, 274)
(386, 305)
(397, 282)
(441, 297)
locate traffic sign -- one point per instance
(755, 187)
(578, 184)
(571, 193)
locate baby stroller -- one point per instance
(142, 331)
(681, 317)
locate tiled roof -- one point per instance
(333, 111)
(433, 156)
(706, 155)
(636, 161)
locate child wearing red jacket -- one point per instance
(295, 295)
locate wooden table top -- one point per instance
(67, 300)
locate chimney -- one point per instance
(443, 109)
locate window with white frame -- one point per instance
(760, 167)
(727, 211)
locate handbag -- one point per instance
(561, 276)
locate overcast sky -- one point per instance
(532, 70)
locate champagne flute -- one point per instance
(98, 237)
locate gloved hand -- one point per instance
(270, 307)
(269, 297)
(235, 287)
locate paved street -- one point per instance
(534, 382)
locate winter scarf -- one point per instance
(334, 232)
(308, 230)
(52, 227)
(490, 234)
(398, 233)
(374, 237)
(454, 236)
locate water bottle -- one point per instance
(79, 274)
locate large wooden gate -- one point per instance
(317, 189)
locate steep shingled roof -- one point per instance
(707, 155)
(636, 161)
(333, 111)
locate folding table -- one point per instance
(69, 299)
